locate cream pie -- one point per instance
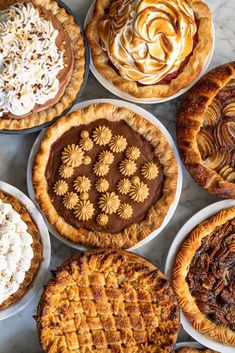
(42, 62)
(206, 131)
(204, 277)
(20, 250)
(105, 176)
(150, 49)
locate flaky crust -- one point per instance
(190, 120)
(155, 215)
(73, 87)
(185, 78)
(36, 246)
(194, 350)
(182, 263)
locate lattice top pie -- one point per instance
(108, 301)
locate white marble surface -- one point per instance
(18, 334)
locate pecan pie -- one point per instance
(204, 277)
(194, 350)
(108, 301)
(20, 250)
(150, 49)
(42, 62)
(206, 131)
(105, 176)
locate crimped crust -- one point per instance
(190, 120)
(73, 87)
(182, 263)
(36, 246)
(194, 350)
(155, 215)
(190, 72)
(108, 301)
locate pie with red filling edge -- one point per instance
(105, 176)
(150, 49)
(108, 301)
(204, 277)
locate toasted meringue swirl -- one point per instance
(146, 40)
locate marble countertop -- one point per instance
(18, 333)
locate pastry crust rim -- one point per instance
(182, 262)
(155, 215)
(76, 80)
(190, 72)
(194, 350)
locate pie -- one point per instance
(206, 131)
(108, 301)
(105, 176)
(148, 48)
(42, 62)
(20, 250)
(194, 350)
(204, 277)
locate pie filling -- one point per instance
(147, 41)
(103, 176)
(211, 276)
(36, 60)
(216, 138)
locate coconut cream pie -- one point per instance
(105, 176)
(41, 62)
(150, 49)
(20, 250)
(206, 131)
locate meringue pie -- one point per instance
(114, 193)
(41, 62)
(150, 49)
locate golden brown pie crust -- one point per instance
(36, 246)
(155, 215)
(190, 120)
(182, 263)
(185, 78)
(76, 38)
(194, 350)
(107, 301)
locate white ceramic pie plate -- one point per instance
(118, 92)
(199, 217)
(147, 116)
(188, 345)
(46, 256)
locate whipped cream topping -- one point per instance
(146, 40)
(16, 251)
(29, 59)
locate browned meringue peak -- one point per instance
(216, 160)
(139, 191)
(100, 169)
(102, 219)
(84, 210)
(213, 113)
(118, 143)
(228, 173)
(206, 143)
(102, 185)
(60, 188)
(65, 171)
(82, 184)
(109, 202)
(229, 109)
(133, 153)
(106, 157)
(124, 186)
(70, 200)
(72, 155)
(125, 211)
(149, 170)
(225, 133)
(147, 39)
(102, 135)
(127, 167)
(86, 160)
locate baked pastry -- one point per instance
(150, 49)
(194, 350)
(43, 62)
(105, 176)
(108, 301)
(204, 277)
(20, 250)
(206, 131)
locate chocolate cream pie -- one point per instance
(204, 277)
(41, 62)
(150, 49)
(105, 176)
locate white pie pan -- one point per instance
(199, 217)
(46, 255)
(147, 116)
(122, 94)
(188, 345)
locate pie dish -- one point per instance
(44, 62)
(20, 250)
(150, 49)
(104, 176)
(203, 277)
(107, 301)
(194, 350)
(206, 131)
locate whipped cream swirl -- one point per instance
(29, 59)
(15, 251)
(146, 40)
